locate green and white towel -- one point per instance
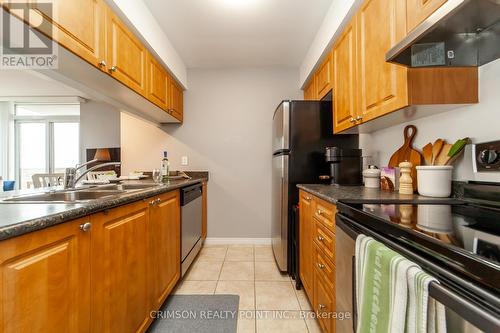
(424, 314)
(382, 289)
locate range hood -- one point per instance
(459, 33)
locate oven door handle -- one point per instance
(478, 316)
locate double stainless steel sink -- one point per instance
(79, 195)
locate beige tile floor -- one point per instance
(269, 301)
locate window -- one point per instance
(47, 140)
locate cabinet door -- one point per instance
(419, 10)
(120, 299)
(164, 254)
(344, 79)
(324, 77)
(78, 25)
(382, 86)
(310, 90)
(176, 104)
(45, 280)
(126, 55)
(324, 303)
(204, 211)
(306, 243)
(157, 82)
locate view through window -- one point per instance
(47, 140)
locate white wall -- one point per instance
(227, 131)
(99, 127)
(480, 122)
(143, 21)
(338, 15)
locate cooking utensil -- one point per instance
(456, 150)
(427, 152)
(436, 149)
(443, 157)
(407, 154)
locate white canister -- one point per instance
(434, 181)
(372, 177)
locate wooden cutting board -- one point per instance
(407, 153)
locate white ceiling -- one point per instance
(240, 33)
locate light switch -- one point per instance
(184, 160)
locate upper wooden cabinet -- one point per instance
(92, 31)
(165, 246)
(365, 86)
(419, 10)
(45, 284)
(376, 88)
(121, 302)
(78, 25)
(324, 77)
(310, 90)
(126, 55)
(382, 86)
(344, 79)
(157, 82)
(176, 99)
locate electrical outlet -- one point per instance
(184, 160)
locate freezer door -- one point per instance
(279, 230)
(281, 128)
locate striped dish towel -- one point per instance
(381, 287)
(391, 298)
(424, 314)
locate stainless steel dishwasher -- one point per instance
(191, 220)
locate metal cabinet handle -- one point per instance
(152, 203)
(359, 118)
(308, 198)
(158, 200)
(102, 63)
(352, 120)
(321, 266)
(85, 226)
(321, 306)
(320, 212)
(320, 238)
(113, 69)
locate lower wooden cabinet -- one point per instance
(165, 246)
(102, 273)
(317, 256)
(45, 280)
(204, 215)
(324, 303)
(305, 242)
(120, 254)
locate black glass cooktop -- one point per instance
(474, 229)
(461, 236)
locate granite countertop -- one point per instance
(20, 218)
(334, 193)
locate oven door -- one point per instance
(463, 315)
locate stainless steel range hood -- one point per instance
(459, 33)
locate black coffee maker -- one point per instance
(345, 166)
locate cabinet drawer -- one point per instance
(325, 239)
(324, 304)
(325, 213)
(324, 267)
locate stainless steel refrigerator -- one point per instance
(301, 132)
